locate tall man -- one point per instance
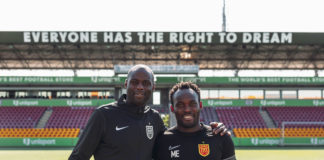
(126, 129)
(189, 139)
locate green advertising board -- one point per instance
(257, 141)
(166, 80)
(258, 102)
(243, 80)
(206, 102)
(210, 38)
(56, 102)
(38, 142)
(62, 80)
(241, 142)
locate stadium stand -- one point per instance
(276, 132)
(296, 114)
(39, 132)
(20, 117)
(240, 117)
(69, 117)
(64, 122)
(244, 121)
(208, 114)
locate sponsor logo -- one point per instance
(266, 141)
(219, 103)
(318, 103)
(79, 103)
(105, 79)
(24, 103)
(15, 103)
(194, 80)
(321, 141)
(121, 128)
(254, 141)
(174, 147)
(69, 102)
(269, 141)
(249, 102)
(149, 131)
(272, 103)
(313, 140)
(203, 149)
(316, 141)
(108, 79)
(94, 79)
(43, 142)
(26, 141)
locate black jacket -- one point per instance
(173, 144)
(119, 132)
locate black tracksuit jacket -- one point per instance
(119, 132)
(176, 145)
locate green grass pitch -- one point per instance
(241, 154)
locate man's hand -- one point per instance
(219, 127)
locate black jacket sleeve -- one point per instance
(228, 152)
(161, 128)
(156, 147)
(90, 138)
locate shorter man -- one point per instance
(190, 140)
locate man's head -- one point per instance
(186, 105)
(139, 85)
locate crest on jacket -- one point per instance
(149, 131)
(203, 149)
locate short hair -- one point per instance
(184, 85)
(141, 66)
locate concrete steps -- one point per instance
(42, 122)
(266, 117)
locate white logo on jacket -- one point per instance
(174, 153)
(173, 147)
(120, 128)
(149, 131)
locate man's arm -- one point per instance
(161, 129)
(90, 138)
(228, 151)
(156, 148)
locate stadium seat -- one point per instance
(296, 114)
(69, 117)
(20, 117)
(40, 132)
(276, 132)
(240, 117)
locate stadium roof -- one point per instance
(33, 50)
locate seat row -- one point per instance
(232, 117)
(250, 117)
(277, 132)
(39, 132)
(28, 117)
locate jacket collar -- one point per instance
(131, 108)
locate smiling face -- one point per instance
(139, 86)
(186, 110)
